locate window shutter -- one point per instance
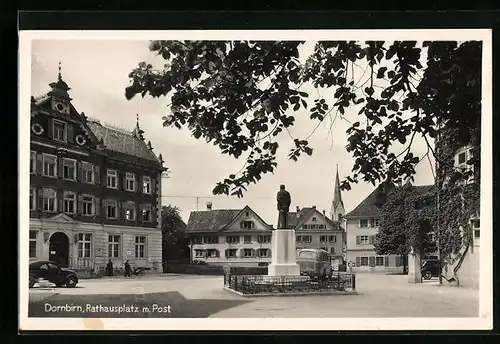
(97, 206)
(153, 186)
(40, 199)
(371, 261)
(79, 205)
(70, 133)
(269, 252)
(226, 253)
(398, 261)
(359, 223)
(59, 167)
(50, 128)
(386, 261)
(358, 261)
(79, 171)
(217, 253)
(59, 201)
(358, 240)
(371, 239)
(96, 175)
(104, 206)
(39, 163)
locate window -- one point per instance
(364, 261)
(263, 253)
(113, 246)
(332, 250)
(210, 239)
(322, 238)
(375, 222)
(232, 239)
(199, 253)
(306, 238)
(140, 247)
(130, 182)
(69, 169)
(231, 253)
(112, 177)
(247, 224)
(49, 200)
(112, 209)
(247, 214)
(130, 211)
(247, 252)
(247, 239)
(146, 213)
(363, 223)
(87, 173)
(84, 245)
(264, 239)
(313, 219)
(87, 205)
(462, 158)
(32, 199)
(332, 238)
(476, 227)
(364, 239)
(212, 253)
(146, 185)
(197, 240)
(33, 241)
(49, 165)
(32, 162)
(69, 202)
(461, 162)
(379, 261)
(339, 217)
(59, 131)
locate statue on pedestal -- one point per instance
(284, 200)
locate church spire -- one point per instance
(337, 210)
(138, 131)
(59, 76)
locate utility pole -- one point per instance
(438, 239)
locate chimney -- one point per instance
(314, 207)
(209, 205)
(324, 213)
(297, 212)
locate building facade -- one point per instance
(234, 237)
(94, 189)
(362, 225)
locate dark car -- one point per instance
(430, 268)
(52, 272)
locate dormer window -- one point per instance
(247, 224)
(314, 219)
(59, 131)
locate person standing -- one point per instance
(109, 268)
(127, 269)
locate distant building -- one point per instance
(95, 190)
(229, 237)
(362, 225)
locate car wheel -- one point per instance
(59, 285)
(32, 283)
(427, 275)
(71, 282)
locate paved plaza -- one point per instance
(188, 296)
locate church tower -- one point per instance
(337, 210)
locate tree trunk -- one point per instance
(405, 264)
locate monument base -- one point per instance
(414, 268)
(283, 259)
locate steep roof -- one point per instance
(304, 214)
(210, 220)
(373, 203)
(122, 141)
(337, 195)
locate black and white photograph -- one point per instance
(255, 180)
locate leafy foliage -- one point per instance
(240, 95)
(175, 243)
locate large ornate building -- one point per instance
(94, 189)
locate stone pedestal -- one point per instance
(414, 268)
(283, 256)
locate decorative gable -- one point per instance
(61, 218)
(247, 221)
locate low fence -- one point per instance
(253, 284)
(201, 269)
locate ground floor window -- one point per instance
(212, 253)
(247, 252)
(199, 253)
(363, 261)
(264, 253)
(33, 243)
(231, 253)
(332, 250)
(140, 247)
(379, 261)
(113, 246)
(84, 245)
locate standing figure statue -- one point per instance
(284, 200)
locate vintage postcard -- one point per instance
(255, 180)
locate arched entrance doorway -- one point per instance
(59, 249)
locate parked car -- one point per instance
(430, 268)
(314, 262)
(52, 272)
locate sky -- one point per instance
(97, 73)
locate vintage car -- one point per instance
(314, 262)
(430, 268)
(52, 272)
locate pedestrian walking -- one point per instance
(127, 269)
